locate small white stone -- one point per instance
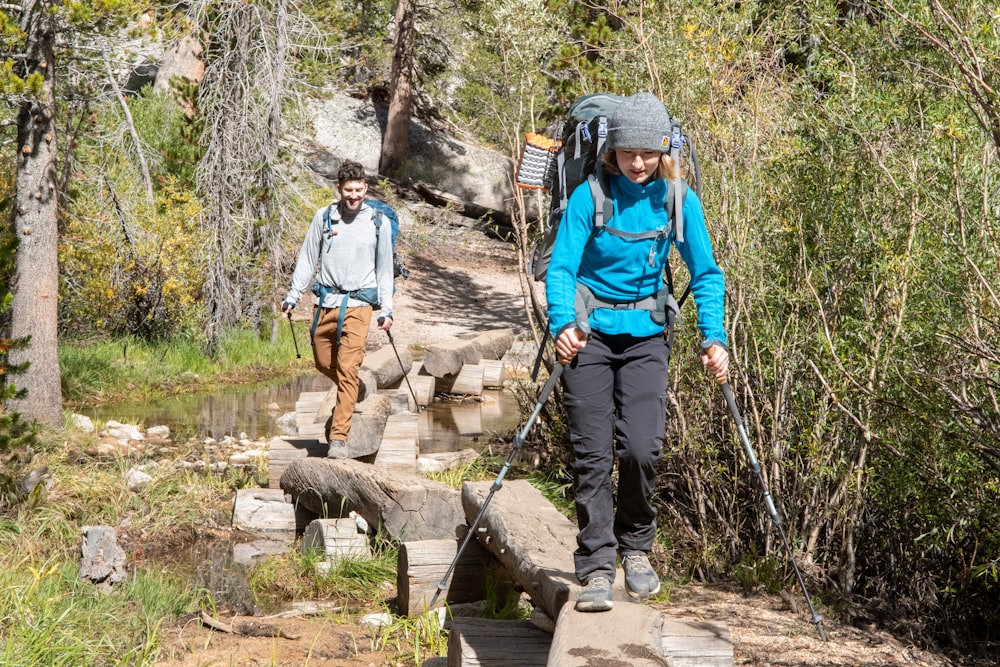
(377, 620)
(137, 479)
(83, 423)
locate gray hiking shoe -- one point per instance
(337, 449)
(596, 596)
(641, 579)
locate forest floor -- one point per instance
(466, 282)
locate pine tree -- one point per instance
(16, 434)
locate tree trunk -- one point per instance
(35, 285)
(397, 129)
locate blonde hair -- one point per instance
(667, 169)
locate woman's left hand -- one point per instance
(716, 361)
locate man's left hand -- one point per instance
(385, 323)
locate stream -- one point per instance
(255, 410)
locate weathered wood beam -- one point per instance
(530, 537)
(447, 357)
(480, 642)
(628, 634)
(405, 507)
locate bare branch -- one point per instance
(140, 154)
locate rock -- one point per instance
(427, 465)
(83, 423)
(379, 620)
(161, 431)
(124, 431)
(103, 561)
(350, 129)
(137, 479)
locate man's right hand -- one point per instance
(287, 306)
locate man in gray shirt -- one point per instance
(349, 250)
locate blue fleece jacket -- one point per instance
(618, 269)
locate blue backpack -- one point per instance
(382, 211)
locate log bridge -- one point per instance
(522, 542)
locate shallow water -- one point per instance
(254, 410)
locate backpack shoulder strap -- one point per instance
(677, 190)
(327, 218)
(604, 207)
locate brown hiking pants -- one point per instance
(341, 363)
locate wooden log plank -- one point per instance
(530, 537)
(367, 426)
(424, 387)
(448, 357)
(494, 343)
(335, 539)
(467, 382)
(282, 451)
(398, 451)
(697, 643)
(323, 409)
(628, 634)
(493, 370)
(386, 368)
(479, 642)
(420, 565)
(405, 507)
(307, 405)
(263, 511)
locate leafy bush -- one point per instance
(140, 279)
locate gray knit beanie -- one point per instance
(640, 122)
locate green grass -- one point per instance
(49, 616)
(108, 371)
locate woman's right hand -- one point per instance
(569, 343)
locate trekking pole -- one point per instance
(294, 339)
(401, 367)
(518, 441)
(816, 619)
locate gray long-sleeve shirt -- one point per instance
(346, 254)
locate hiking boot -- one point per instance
(641, 579)
(596, 596)
(337, 449)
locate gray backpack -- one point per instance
(579, 161)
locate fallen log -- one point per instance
(493, 370)
(404, 507)
(469, 209)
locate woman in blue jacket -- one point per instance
(617, 346)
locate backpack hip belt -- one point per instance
(367, 294)
(659, 305)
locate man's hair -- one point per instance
(350, 171)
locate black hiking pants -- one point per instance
(615, 393)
